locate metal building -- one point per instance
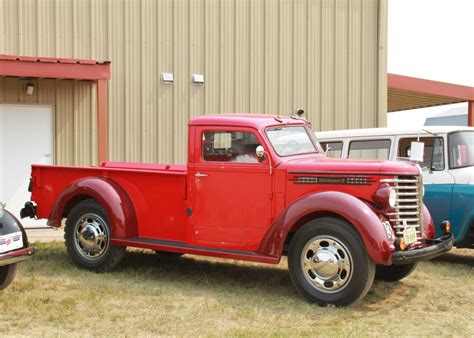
(327, 57)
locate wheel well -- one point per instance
(74, 201)
(468, 240)
(305, 219)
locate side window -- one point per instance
(438, 154)
(229, 146)
(335, 149)
(433, 151)
(370, 149)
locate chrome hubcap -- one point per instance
(326, 264)
(91, 236)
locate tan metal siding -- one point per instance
(256, 75)
(354, 76)
(314, 82)
(149, 80)
(271, 56)
(182, 81)
(165, 93)
(301, 56)
(382, 85)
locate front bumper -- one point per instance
(16, 256)
(438, 247)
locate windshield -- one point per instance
(461, 149)
(291, 140)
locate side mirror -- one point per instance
(417, 151)
(260, 152)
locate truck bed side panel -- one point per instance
(159, 197)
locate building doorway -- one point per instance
(26, 138)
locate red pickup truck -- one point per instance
(256, 187)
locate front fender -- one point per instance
(428, 225)
(356, 212)
(9, 224)
(109, 194)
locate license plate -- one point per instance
(409, 235)
(11, 242)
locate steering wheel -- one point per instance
(292, 144)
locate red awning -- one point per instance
(406, 92)
(54, 68)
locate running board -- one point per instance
(181, 247)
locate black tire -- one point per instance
(87, 235)
(393, 273)
(328, 263)
(7, 275)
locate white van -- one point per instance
(447, 166)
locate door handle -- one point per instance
(200, 175)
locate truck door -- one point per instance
(232, 189)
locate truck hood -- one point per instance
(347, 166)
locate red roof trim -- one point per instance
(57, 68)
(424, 86)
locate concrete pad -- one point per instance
(45, 234)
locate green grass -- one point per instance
(189, 296)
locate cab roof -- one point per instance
(257, 121)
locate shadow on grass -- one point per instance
(193, 273)
(456, 259)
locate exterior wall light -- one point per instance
(198, 78)
(30, 88)
(167, 78)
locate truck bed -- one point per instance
(157, 191)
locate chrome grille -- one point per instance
(408, 211)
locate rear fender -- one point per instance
(359, 214)
(109, 194)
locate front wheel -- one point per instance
(87, 235)
(328, 262)
(394, 273)
(7, 275)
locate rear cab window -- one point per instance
(370, 149)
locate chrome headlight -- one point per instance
(392, 197)
(2, 208)
(386, 196)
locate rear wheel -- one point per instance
(7, 274)
(394, 273)
(328, 262)
(87, 234)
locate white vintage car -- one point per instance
(447, 166)
(14, 246)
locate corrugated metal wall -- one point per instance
(325, 56)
